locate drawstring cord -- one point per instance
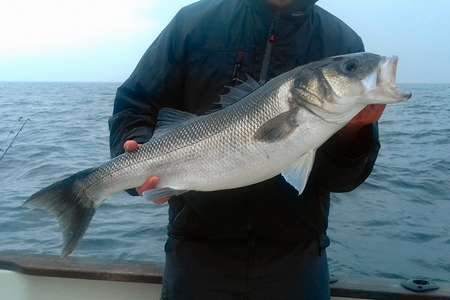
(271, 40)
(237, 66)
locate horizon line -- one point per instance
(119, 82)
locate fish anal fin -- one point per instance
(156, 194)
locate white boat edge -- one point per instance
(16, 286)
(35, 277)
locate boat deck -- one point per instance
(26, 277)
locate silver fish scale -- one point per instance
(215, 142)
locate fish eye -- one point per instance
(350, 66)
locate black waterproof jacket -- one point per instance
(206, 47)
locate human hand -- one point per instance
(151, 182)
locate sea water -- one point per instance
(395, 225)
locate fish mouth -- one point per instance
(387, 71)
(386, 90)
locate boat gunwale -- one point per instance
(83, 268)
(148, 272)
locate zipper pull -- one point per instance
(237, 66)
(273, 39)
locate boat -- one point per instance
(42, 277)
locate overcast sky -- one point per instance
(102, 40)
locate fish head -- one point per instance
(341, 83)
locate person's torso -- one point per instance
(225, 42)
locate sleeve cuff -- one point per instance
(141, 135)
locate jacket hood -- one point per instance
(296, 12)
(297, 5)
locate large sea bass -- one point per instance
(260, 132)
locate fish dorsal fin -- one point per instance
(238, 92)
(169, 118)
(298, 173)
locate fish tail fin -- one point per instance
(68, 202)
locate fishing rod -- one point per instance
(14, 138)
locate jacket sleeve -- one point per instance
(156, 82)
(342, 166)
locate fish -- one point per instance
(258, 132)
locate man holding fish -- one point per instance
(238, 229)
(262, 241)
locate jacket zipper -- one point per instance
(271, 40)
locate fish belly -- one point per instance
(228, 165)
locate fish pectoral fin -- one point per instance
(297, 175)
(155, 194)
(277, 128)
(169, 118)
